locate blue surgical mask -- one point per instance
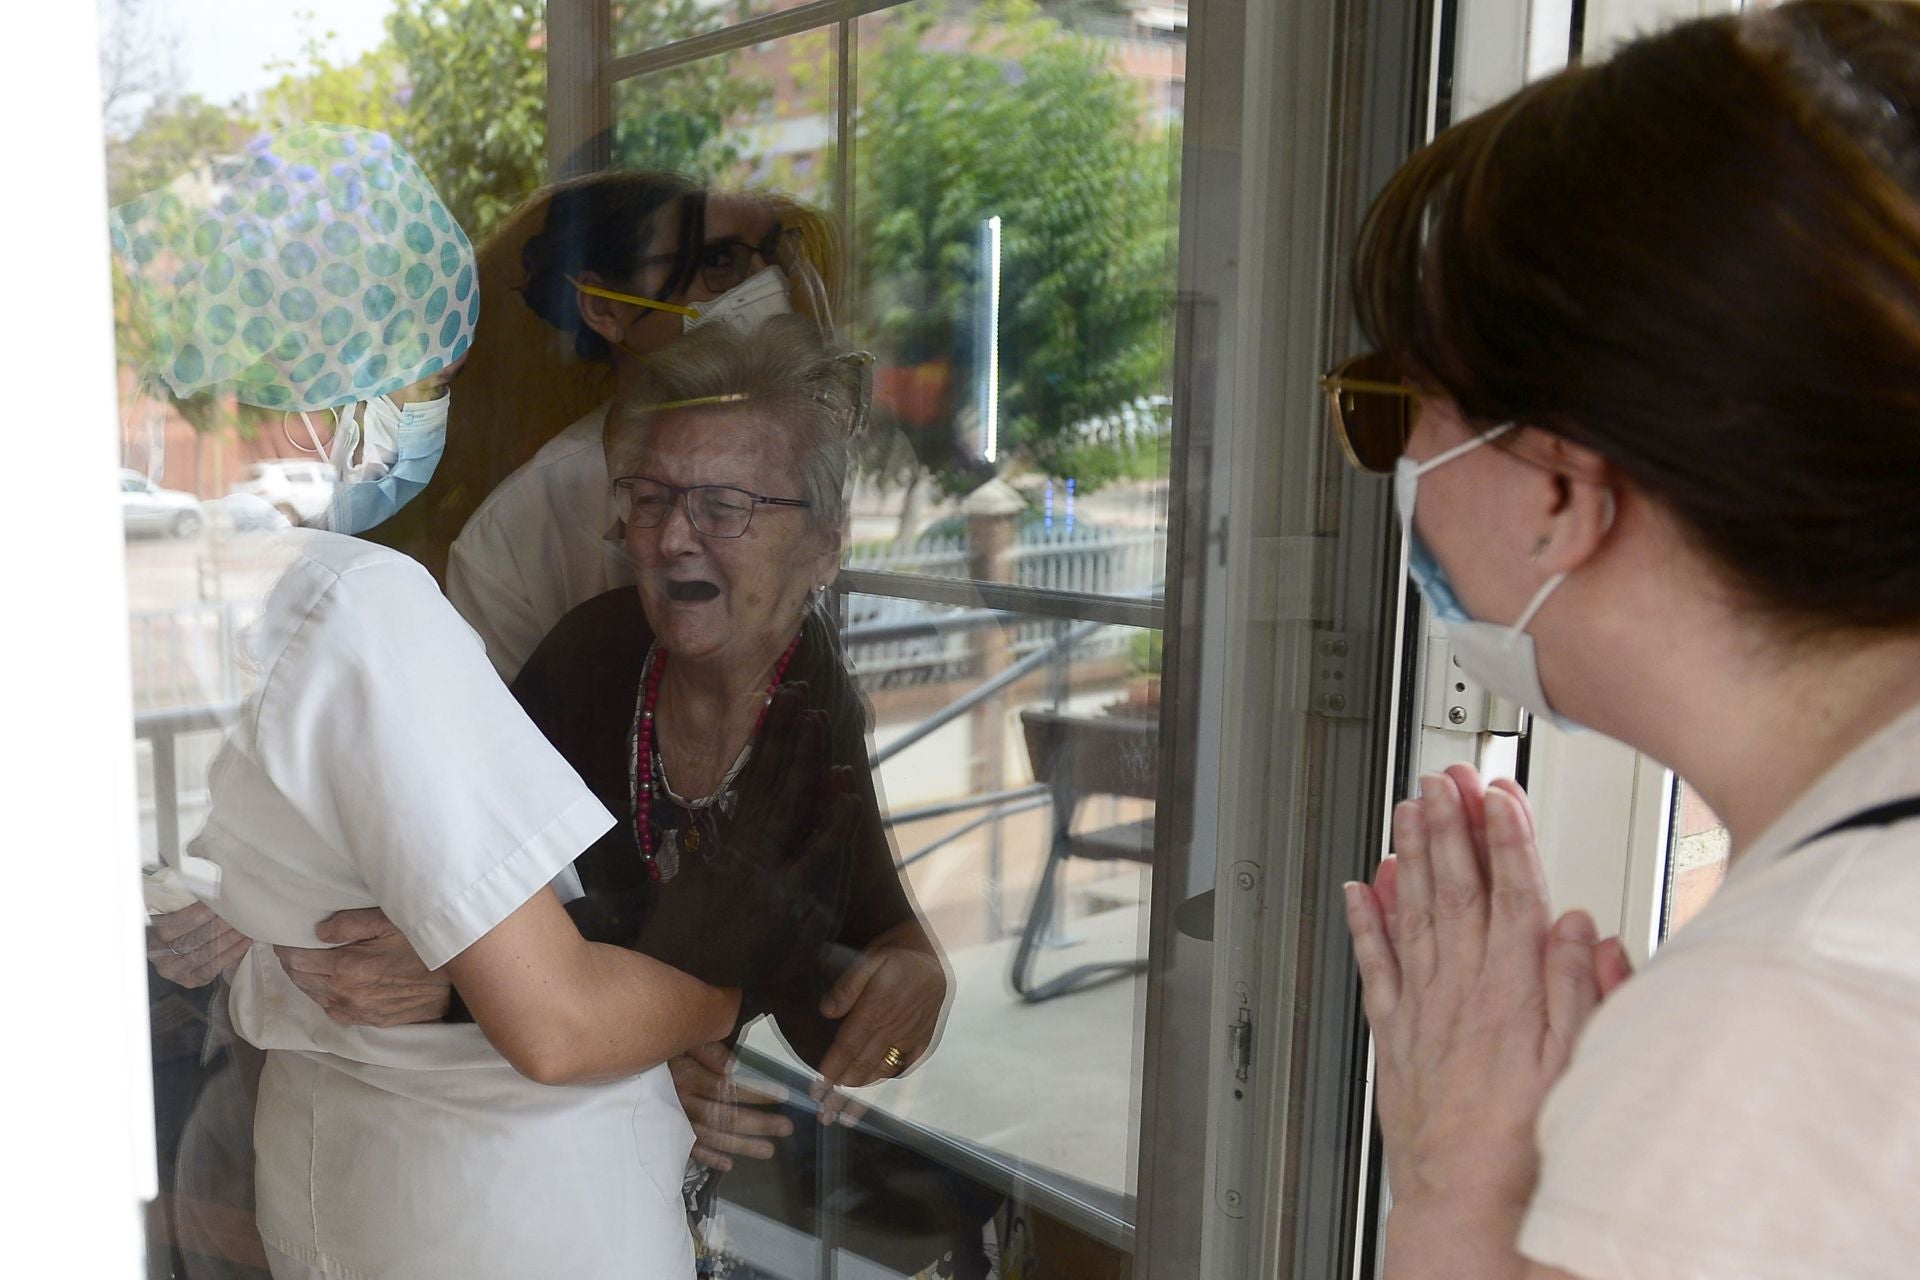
(1500, 657)
(384, 460)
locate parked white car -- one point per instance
(300, 489)
(147, 508)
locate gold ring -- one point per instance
(893, 1059)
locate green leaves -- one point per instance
(1036, 125)
(476, 117)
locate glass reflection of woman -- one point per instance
(731, 455)
(378, 763)
(584, 280)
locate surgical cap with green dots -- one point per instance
(316, 269)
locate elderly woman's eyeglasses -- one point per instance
(717, 510)
(1372, 410)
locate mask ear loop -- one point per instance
(346, 437)
(1547, 588)
(798, 262)
(317, 449)
(154, 423)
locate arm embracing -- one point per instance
(564, 1010)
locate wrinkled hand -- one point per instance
(1474, 994)
(775, 880)
(890, 998)
(193, 946)
(373, 978)
(729, 1119)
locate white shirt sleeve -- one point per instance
(1736, 1115)
(383, 724)
(484, 584)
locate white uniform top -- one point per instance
(1745, 1108)
(537, 547)
(380, 762)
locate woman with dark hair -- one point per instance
(1648, 352)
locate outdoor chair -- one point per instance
(1079, 757)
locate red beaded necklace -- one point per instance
(642, 752)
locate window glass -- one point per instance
(1045, 1088)
(1697, 860)
(758, 117)
(358, 775)
(1014, 265)
(641, 26)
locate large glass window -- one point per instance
(999, 187)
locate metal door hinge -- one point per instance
(1342, 676)
(1456, 701)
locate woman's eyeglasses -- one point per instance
(1372, 411)
(717, 510)
(722, 264)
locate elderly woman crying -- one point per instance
(716, 694)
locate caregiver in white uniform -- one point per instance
(378, 761)
(382, 763)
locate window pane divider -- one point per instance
(770, 26)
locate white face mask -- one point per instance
(748, 304)
(1500, 657)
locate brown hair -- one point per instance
(1702, 260)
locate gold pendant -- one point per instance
(692, 838)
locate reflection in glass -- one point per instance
(1015, 256)
(972, 785)
(756, 117)
(1016, 754)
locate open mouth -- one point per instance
(697, 591)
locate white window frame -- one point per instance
(77, 1082)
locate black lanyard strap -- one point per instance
(1882, 815)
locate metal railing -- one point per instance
(191, 653)
(1079, 560)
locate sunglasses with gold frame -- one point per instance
(1372, 410)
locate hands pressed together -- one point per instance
(1475, 995)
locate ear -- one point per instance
(827, 567)
(602, 315)
(1584, 504)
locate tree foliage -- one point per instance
(173, 136)
(1004, 112)
(476, 112)
(1034, 124)
(369, 91)
(680, 119)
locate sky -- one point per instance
(226, 44)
